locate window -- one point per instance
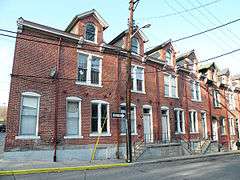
(231, 101)
(223, 125)
(89, 69)
(124, 120)
(73, 117)
(169, 57)
(100, 123)
(193, 121)
(216, 98)
(90, 32)
(231, 126)
(170, 86)
(138, 79)
(29, 114)
(195, 91)
(135, 45)
(179, 121)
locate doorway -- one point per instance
(215, 130)
(147, 124)
(204, 125)
(165, 126)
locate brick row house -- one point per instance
(66, 84)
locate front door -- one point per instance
(204, 125)
(148, 136)
(215, 130)
(165, 127)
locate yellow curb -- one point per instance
(61, 169)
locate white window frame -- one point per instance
(216, 98)
(135, 117)
(134, 76)
(232, 104)
(96, 30)
(231, 122)
(193, 83)
(138, 44)
(108, 133)
(223, 125)
(171, 57)
(89, 63)
(35, 95)
(170, 76)
(192, 123)
(178, 121)
(79, 100)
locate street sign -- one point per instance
(118, 115)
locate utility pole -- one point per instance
(129, 84)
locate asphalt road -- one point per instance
(2, 136)
(219, 168)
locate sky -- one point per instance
(59, 13)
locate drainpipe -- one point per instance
(119, 79)
(227, 120)
(56, 100)
(210, 111)
(187, 114)
(158, 105)
(238, 117)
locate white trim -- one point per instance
(196, 121)
(26, 137)
(99, 103)
(178, 121)
(135, 117)
(95, 35)
(124, 104)
(134, 76)
(30, 94)
(89, 64)
(178, 109)
(73, 137)
(33, 94)
(164, 108)
(170, 78)
(79, 100)
(193, 85)
(146, 106)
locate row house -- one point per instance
(66, 84)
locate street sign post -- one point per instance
(118, 115)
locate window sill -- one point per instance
(88, 84)
(217, 107)
(90, 42)
(195, 100)
(133, 134)
(194, 132)
(171, 97)
(97, 134)
(179, 133)
(73, 137)
(27, 137)
(140, 92)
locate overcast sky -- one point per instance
(58, 13)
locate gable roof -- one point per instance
(225, 71)
(185, 55)
(158, 47)
(207, 66)
(123, 33)
(87, 13)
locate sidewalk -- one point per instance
(13, 167)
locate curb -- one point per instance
(61, 169)
(191, 157)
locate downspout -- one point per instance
(187, 114)
(158, 107)
(119, 79)
(56, 100)
(210, 112)
(227, 120)
(238, 117)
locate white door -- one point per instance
(204, 125)
(215, 130)
(165, 127)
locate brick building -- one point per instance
(66, 84)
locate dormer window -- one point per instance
(169, 57)
(135, 45)
(90, 32)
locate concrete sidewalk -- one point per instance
(27, 167)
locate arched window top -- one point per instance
(135, 45)
(90, 32)
(31, 94)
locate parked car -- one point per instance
(2, 128)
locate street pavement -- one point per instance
(219, 168)
(2, 136)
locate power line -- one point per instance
(181, 12)
(208, 30)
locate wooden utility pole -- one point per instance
(129, 84)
